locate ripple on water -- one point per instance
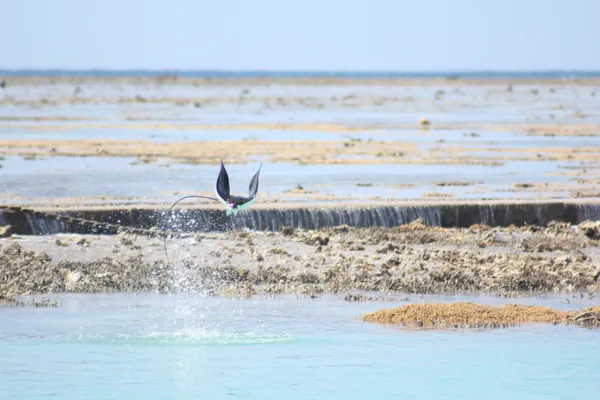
(183, 338)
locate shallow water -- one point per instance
(424, 139)
(115, 180)
(156, 347)
(51, 178)
(459, 103)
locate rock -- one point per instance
(83, 242)
(71, 280)
(5, 231)
(590, 229)
(317, 240)
(356, 297)
(287, 230)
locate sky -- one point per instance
(307, 35)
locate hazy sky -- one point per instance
(392, 35)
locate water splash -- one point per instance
(188, 275)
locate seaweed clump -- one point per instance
(471, 315)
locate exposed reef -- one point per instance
(470, 315)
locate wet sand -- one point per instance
(399, 262)
(352, 151)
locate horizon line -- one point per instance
(232, 70)
(298, 74)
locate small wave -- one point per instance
(188, 338)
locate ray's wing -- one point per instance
(253, 188)
(223, 183)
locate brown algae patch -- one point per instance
(203, 152)
(471, 315)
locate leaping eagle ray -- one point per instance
(235, 203)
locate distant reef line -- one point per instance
(283, 74)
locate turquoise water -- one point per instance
(124, 346)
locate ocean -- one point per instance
(123, 346)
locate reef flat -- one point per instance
(411, 258)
